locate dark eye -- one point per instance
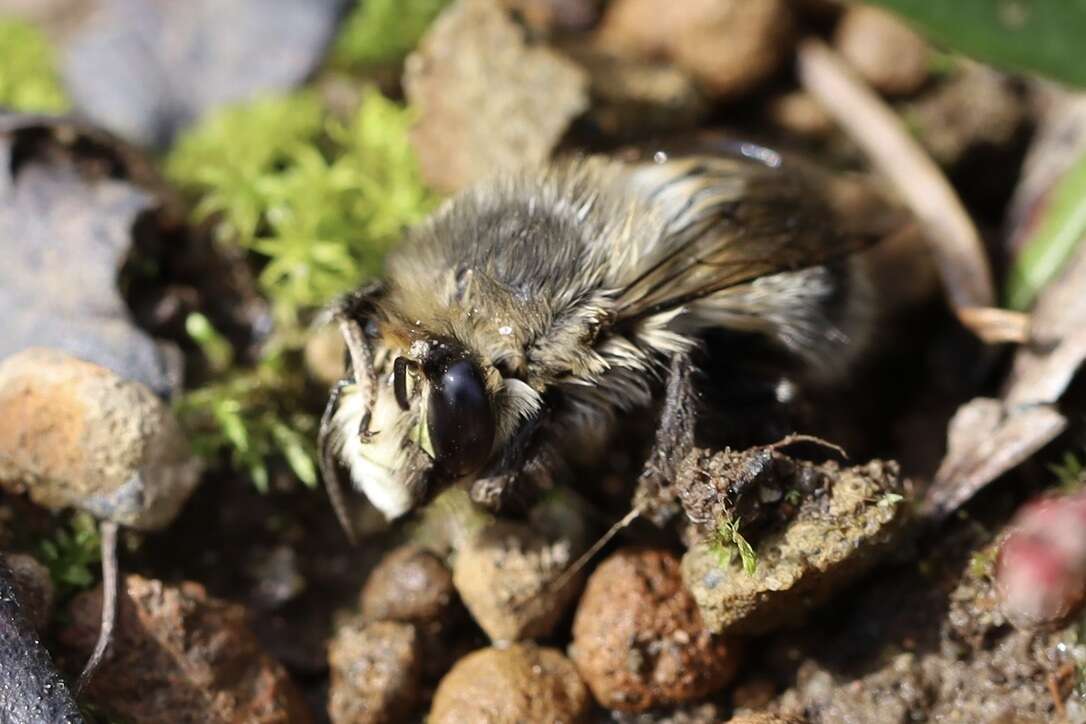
(460, 421)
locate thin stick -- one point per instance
(799, 437)
(996, 326)
(109, 604)
(874, 126)
(567, 575)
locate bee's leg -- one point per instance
(674, 440)
(327, 460)
(527, 466)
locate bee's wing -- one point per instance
(729, 220)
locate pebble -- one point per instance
(638, 638)
(885, 51)
(520, 683)
(728, 46)
(89, 439)
(487, 99)
(376, 669)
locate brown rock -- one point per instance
(504, 577)
(77, 435)
(375, 673)
(729, 46)
(33, 587)
(765, 718)
(883, 50)
(487, 99)
(799, 113)
(179, 655)
(411, 585)
(638, 638)
(521, 683)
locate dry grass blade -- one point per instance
(109, 604)
(884, 138)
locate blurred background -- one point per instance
(187, 184)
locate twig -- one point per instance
(567, 575)
(796, 437)
(109, 604)
(996, 326)
(878, 131)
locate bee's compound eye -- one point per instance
(460, 420)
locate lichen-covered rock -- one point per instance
(410, 585)
(85, 438)
(833, 537)
(728, 46)
(179, 655)
(505, 576)
(638, 638)
(486, 99)
(521, 683)
(885, 51)
(33, 587)
(556, 16)
(376, 669)
(766, 718)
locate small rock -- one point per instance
(977, 107)
(638, 638)
(180, 655)
(504, 576)
(375, 673)
(277, 577)
(634, 98)
(487, 100)
(324, 355)
(835, 535)
(521, 683)
(883, 50)
(799, 113)
(766, 718)
(33, 588)
(729, 46)
(90, 440)
(411, 585)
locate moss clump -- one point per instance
(72, 555)
(317, 201)
(383, 32)
(28, 74)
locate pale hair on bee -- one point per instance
(537, 307)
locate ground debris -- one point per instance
(832, 524)
(180, 655)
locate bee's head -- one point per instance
(427, 410)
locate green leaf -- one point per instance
(746, 552)
(28, 77)
(1061, 229)
(1041, 36)
(380, 32)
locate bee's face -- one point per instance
(437, 411)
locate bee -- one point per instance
(540, 308)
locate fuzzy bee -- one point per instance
(540, 308)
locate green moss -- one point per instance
(383, 32)
(250, 417)
(28, 75)
(317, 201)
(72, 555)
